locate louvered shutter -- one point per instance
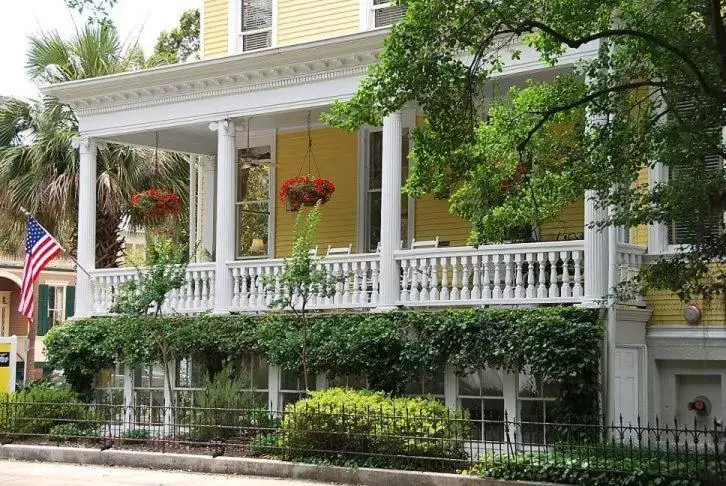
(679, 233)
(386, 13)
(256, 24)
(70, 301)
(43, 294)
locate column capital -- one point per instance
(207, 162)
(223, 127)
(84, 144)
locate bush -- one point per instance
(370, 427)
(70, 432)
(136, 435)
(608, 466)
(35, 411)
(225, 409)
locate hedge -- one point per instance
(561, 344)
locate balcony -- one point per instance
(512, 274)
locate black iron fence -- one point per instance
(381, 438)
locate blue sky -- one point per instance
(142, 19)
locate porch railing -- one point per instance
(549, 272)
(527, 273)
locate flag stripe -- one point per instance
(40, 249)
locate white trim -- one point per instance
(234, 19)
(363, 15)
(686, 332)
(362, 184)
(273, 198)
(13, 278)
(274, 23)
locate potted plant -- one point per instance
(154, 205)
(305, 191)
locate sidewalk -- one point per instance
(47, 474)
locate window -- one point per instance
(482, 394)
(374, 177)
(430, 386)
(537, 407)
(253, 202)
(109, 385)
(292, 386)
(384, 13)
(55, 304)
(256, 25)
(149, 394)
(357, 382)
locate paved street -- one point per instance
(47, 474)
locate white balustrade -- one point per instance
(195, 295)
(629, 260)
(523, 273)
(526, 273)
(257, 283)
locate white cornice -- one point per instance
(259, 70)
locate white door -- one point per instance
(625, 390)
(4, 313)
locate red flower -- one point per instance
(305, 189)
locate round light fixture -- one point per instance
(692, 314)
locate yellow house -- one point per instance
(247, 114)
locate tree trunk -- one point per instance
(109, 242)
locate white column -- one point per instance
(273, 388)
(451, 388)
(596, 250)
(192, 208)
(128, 407)
(206, 183)
(86, 225)
(225, 235)
(657, 232)
(390, 211)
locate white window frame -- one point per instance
(59, 309)
(364, 187)
(258, 139)
(234, 28)
(368, 15)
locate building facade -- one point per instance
(54, 297)
(241, 113)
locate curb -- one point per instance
(243, 466)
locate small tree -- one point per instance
(301, 278)
(165, 271)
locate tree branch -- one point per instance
(706, 86)
(719, 35)
(584, 100)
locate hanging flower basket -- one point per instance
(305, 191)
(155, 204)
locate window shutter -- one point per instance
(70, 301)
(679, 232)
(385, 13)
(43, 292)
(256, 24)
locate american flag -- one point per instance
(40, 249)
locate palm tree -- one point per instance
(38, 165)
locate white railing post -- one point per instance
(225, 234)
(390, 211)
(86, 225)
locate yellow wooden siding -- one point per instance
(434, 219)
(640, 233)
(336, 153)
(570, 224)
(668, 309)
(308, 20)
(215, 28)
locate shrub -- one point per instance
(35, 411)
(136, 435)
(225, 409)
(342, 424)
(601, 467)
(69, 432)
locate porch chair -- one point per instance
(314, 251)
(425, 243)
(342, 250)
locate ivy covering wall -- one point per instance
(561, 344)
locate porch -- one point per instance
(243, 121)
